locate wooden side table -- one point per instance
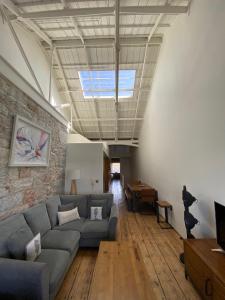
(166, 205)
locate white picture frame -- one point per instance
(30, 144)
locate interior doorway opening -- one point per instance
(115, 170)
(116, 187)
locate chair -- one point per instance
(147, 199)
(128, 198)
(134, 182)
(166, 205)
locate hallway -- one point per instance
(117, 191)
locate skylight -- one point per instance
(101, 84)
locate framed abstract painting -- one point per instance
(30, 145)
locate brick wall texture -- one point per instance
(23, 187)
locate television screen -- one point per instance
(220, 224)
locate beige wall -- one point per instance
(183, 137)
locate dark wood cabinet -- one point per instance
(205, 269)
(219, 290)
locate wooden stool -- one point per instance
(165, 205)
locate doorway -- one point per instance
(115, 186)
(115, 170)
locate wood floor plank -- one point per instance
(70, 277)
(176, 267)
(168, 282)
(81, 286)
(170, 287)
(175, 241)
(138, 235)
(123, 228)
(153, 278)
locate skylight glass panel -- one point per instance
(101, 84)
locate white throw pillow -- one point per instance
(33, 248)
(68, 216)
(96, 213)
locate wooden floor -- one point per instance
(160, 250)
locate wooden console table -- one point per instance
(120, 273)
(206, 269)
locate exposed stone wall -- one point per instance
(23, 187)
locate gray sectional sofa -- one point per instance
(41, 279)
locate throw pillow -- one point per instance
(99, 203)
(96, 213)
(68, 216)
(66, 207)
(17, 241)
(33, 248)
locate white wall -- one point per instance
(88, 158)
(77, 138)
(125, 169)
(183, 136)
(40, 64)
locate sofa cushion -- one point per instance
(96, 213)
(68, 216)
(75, 225)
(52, 205)
(79, 200)
(108, 197)
(62, 240)
(95, 229)
(8, 227)
(66, 207)
(17, 242)
(38, 220)
(33, 248)
(98, 203)
(57, 262)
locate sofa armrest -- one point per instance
(21, 279)
(113, 222)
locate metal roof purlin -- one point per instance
(101, 26)
(106, 41)
(143, 68)
(117, 59)
(107, 11)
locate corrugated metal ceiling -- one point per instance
(96, 118)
